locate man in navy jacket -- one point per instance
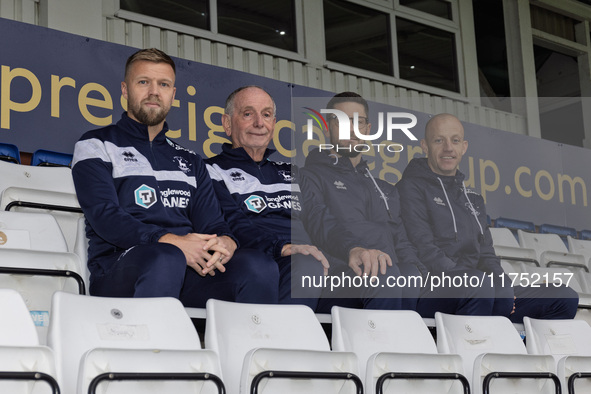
(355, 217)
(154, 225)
(447, 224)
(259, 197)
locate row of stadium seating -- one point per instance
(41, 157)
(42, 232)
(544, 259)
(120, 345)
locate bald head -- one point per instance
(440, 121)
(444, 144)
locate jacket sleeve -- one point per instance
(415, 217)
(98, 198)
(323, 228)
(206, 213)
(242, 226)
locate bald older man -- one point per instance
(446, 222)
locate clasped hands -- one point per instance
(205, 253)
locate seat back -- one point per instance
(9, 153)
(580, 246)
(471, 336)
(41, 185)
(366, 332)
(586, 234)
(35, 231)
(35, 241)
(502, 236)
(81, 323)
(557, 337)
(541, 242)
(19, 347)
(233, 329)
(16, 326)
(562, 231)
(56, 179)
(514, 225)
(42, 157)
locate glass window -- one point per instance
(441, 8)
(186, 12)
(266, 22)
(357, 36)
(427, 55)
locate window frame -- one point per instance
(214, 36)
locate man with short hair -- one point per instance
(259, 197)
(154, 225)
(355, 217)
(447, 224)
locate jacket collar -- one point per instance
(240, 153)
(140, 130)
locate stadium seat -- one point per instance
(523, 268)
(35, 262)
(396, 345)
(551, 251)
(561, 231)
(585, 234)
(580, 246)
(508, 249)
(568, 341)
(142, 343)
(514, 225)
(25, 366)
(494, 355)
(42, 157)
(41, 189)
(9, 153)
(278, 348)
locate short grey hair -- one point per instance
(229, 108)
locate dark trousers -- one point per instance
(296, 272)
(160, 270)
(496, 298)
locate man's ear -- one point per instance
(465, 143)
(124, 89)
(424, 147)
(227, 124)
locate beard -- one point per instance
(148, 116)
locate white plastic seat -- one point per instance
(43, 185)
(20, 353)
(37, 263)
(394, 342)
(580, 246)
(491, 344)
(509, 251)
(37, 231)
(568, 341)
(551, 250)
(92, 336)
(552, 253)
(251, 339)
